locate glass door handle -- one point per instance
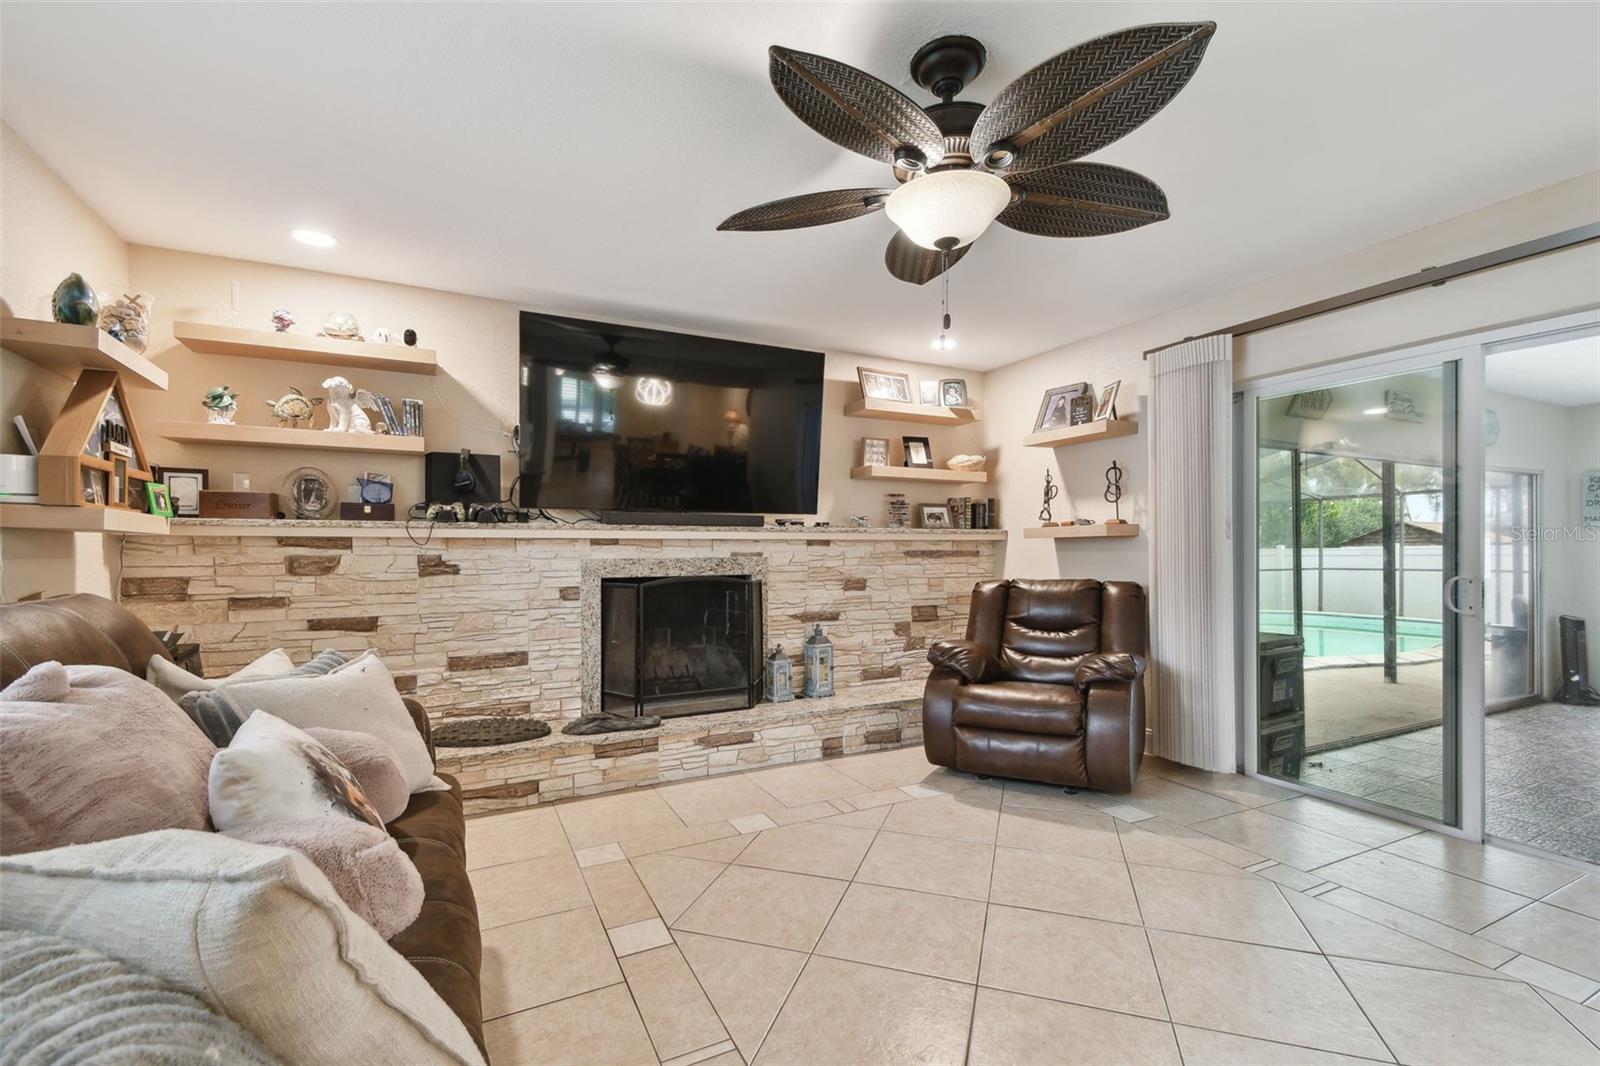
(1450, 601)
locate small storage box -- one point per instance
(366, 512)
(221, 503)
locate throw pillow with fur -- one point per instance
(273, 772)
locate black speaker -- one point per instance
(461, 477)
(1575, 664)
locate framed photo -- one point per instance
(1056, 410)
(884, 385)
(953, 392)
(918, 451)
(1107, 408)
(928, 393)
(934, 515)
(1082, 408)
(874, 451)
(160, 502)
(184, 485)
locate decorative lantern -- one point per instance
(819, 664)
(780, 677)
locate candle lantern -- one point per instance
(780, 677)
(819, 664)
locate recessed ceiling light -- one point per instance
(314, 237)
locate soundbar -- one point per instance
(678, 518)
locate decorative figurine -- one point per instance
(128, 320)
(382, 335)
(345, 403)
(859, 521)
(1114, 492)
(220, 404)
(341, 325)
(780, 677)
(1051, 491)
(819, 664)
(74, 302)
(282, 319)
(293, 409)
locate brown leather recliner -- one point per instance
(1047, 686)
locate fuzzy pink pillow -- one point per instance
(90, 753)
(374, 766)
(363, 863)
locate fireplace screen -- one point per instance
(679, 645)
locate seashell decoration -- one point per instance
(966, 462)
(282, 319)
(128, 320)
(342, 325)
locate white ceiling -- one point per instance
(1564, 372)
(578, 157)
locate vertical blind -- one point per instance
(1191, 587)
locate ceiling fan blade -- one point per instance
(1088, 96)
(810, 209)
(910, 261)
(1083, 200)
(852, 108)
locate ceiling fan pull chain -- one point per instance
(944, 272)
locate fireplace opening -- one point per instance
(679, 645)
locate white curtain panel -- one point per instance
(1191, 586)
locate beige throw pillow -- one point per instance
(92, 752)
(174, 680)
(256, 932)
(360, 695)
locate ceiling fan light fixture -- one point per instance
(956, 204)
(607, 376)
(944, 343)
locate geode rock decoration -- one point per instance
(128, 320)
(74, 302)
(343, 326)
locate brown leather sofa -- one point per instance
(443, 943)
(1047, 686)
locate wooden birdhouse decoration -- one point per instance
(93, 456)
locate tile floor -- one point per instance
(1540, 778)
(874, 909)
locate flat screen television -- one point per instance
(623, 419)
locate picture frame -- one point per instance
(953, 392)
(1056, 409)
(892, 385)
(918, 452)
(1082, 408)
(1107, 407)
(184, 484)
(160, 502)
(874, 451)
(934, 515)
(928, 393)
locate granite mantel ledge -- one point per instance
(424, 531)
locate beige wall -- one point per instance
(1530, 289)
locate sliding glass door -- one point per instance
(1357, 521)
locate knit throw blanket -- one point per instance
(64, 1002)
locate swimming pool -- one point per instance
(1331, 636)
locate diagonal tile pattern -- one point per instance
(876, 909)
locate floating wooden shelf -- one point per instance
(1101, 530)
(67, 349)
(79, 519)
(297, 348)
(895, 411)
(1104, 429)
(919, 473)
(279, 437)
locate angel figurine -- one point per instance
(345, 403)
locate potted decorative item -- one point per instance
(220, 404)
(819, 664)
(74, 302)
(282, 319)
(780, 677)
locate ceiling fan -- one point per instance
(962, 165)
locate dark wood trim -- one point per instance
(1431, 276)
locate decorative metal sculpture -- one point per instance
(1114, 492)
(1051, 491)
